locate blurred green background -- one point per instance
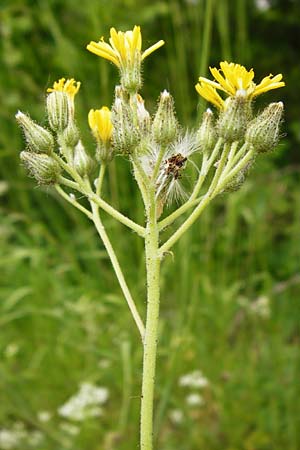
(230, 297)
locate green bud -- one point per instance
(42, 167)
(39, 139)
(263, 131)
(206, 135)
(165, 126)
(82, 162)
(58, 110)
(126, 134)
(71, 134)
(233, 121)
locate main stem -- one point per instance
(150, 338)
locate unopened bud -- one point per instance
(58, 110)
(233, 120)
(71, 134)
(39, 139)
(42, 167)
(206, 135)
(263, 131)
(165, 125)
(82, 162)
(126, 133)
(142, 115)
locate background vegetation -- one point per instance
(230, 302)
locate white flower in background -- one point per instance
(194, 400)
(11, 350)
(35, 438)
(85, 404)
(104, 363)
(194, 380)
(263, 5)
(44, 416)
(8, 439)
(69, 428)
(176, 416)
(261, 307)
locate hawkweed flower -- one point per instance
(102, 128)
(125, 51)
(232, 78)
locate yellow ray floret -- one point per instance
(231, 78)
(124, 47)
(100, 124)
(70, 86)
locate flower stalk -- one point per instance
(158, 150)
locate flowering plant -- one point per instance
(159, 151)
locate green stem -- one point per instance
(150, 340)
(73, 201)
(116, 266)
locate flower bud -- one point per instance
(206, 135)
(71, 134)
(39, 139)
(233, 120)
(165, 125)
(42, 167)
(143, 115)
(126, 134)
(82, 162)
(101, 125)
(263, 131)
(58, 110)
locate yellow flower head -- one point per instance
(231, 78)
(100, 124)
(70, 86)
(124, 48)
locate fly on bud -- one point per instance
(42, 167)
(263, 131)
(165, 126)
(39, 140)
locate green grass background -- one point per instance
(61, 310)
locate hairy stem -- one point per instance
(150, 340)
(116, 266)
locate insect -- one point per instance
(174, 165)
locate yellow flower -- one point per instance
(70, 86)
(124, 48)
(234, 78)
(100, 124)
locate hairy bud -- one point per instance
(82, 162)
(58, 110)
(71, 134)
(42, 167)
(234, 119)
(263, 131)
(165, 126)
(39, 139)
(126, 133)
(206, 135)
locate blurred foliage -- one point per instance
(62, 314)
